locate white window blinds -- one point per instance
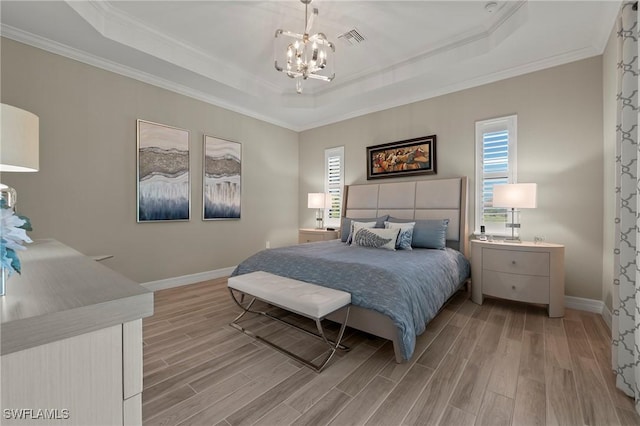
(334, 182)
(495, 164)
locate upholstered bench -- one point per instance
(309, 300)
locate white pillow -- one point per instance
(405, 236)
(358, 225)
(376, 238)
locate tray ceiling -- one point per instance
(222, 52)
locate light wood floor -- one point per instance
(497, 364)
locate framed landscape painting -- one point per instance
(221, 179)
(163, 173)
(403, 158)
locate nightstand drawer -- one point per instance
(308, 237)
(516, 262)
(525, 288)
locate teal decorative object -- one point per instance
(13, 234)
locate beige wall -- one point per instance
(85, 192)
(85, 195)
(609, 90)
(559, 146)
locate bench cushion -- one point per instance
(296, 296)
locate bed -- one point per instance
(394, 293)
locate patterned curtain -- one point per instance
(626, 291)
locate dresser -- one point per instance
(71, 335)
(526, 272)
(309, 235)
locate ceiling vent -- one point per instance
(351, 38)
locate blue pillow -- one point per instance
(427, 233)
(345, 227)
(405, 237)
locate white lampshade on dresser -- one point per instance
(19, 145)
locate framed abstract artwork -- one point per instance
(403, 158)
(163, 173)
(222, 172)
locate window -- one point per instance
(333, 183)
(495, 164)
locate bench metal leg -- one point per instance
(333, 345)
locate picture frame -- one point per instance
(409, 157)
(221, 179)
(163, 175)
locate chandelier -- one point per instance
(307, 55)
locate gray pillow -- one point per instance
(345, 227)
(427, 233)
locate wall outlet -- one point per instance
(268, 244)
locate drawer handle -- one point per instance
(513, 262)
(513, 287)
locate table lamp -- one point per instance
(316, 200)
(19, 145)
(515, 196)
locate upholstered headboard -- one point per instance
(424, 199)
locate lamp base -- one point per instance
(319, 219)
(4, 277)
(8, 195)
(513, 225)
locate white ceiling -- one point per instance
(222, 52)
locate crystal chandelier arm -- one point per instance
(322, 40)
(322, 77)
(290, 73)
(288, 34)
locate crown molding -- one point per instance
(417, 96)
(98, 62)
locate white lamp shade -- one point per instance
(19, 140)
(315, 200)
(515, 195)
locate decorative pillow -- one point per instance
(405, 236)
(355, 226)
(345, 229)
(427, 233)
(376, 238)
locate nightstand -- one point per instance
(527, 272)
(309, 235)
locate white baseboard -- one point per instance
(578, 303)
(606, 315)
(589, 305)
(581, 304)
(188, 279)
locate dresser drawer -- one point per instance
(516, 262)
(524, 288)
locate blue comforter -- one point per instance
(409, 286)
